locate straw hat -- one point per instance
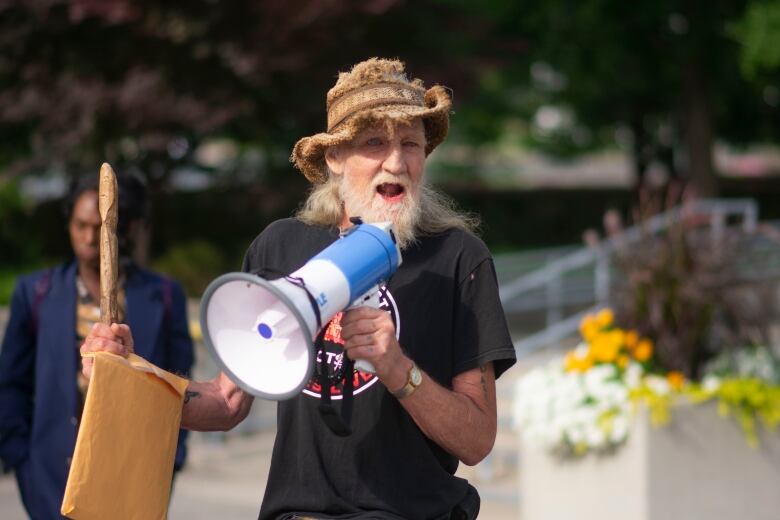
(375, 89)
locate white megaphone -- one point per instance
(261, 333)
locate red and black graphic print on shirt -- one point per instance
(334, 353)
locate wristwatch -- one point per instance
(413, 380)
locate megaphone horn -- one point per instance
(261, 333)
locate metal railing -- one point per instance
(550, 291)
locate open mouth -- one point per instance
(390, 191)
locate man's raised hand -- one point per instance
(115, 338)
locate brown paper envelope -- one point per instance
(123, 462)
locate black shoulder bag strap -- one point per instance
(338, 424)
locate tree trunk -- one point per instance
(697, 118)
(641, 140)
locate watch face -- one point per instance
(415, 376)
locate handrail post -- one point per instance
(601, 278)
(550, 279)
(717, 224)
(750, 218)
(554, 293)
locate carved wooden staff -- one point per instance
(108, 205)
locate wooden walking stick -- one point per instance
(108, 205)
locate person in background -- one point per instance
(42, 389)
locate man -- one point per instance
(437, 345)
(52, 311)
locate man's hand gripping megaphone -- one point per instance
(369, 335)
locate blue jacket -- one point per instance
(39, 363)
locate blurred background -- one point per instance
(573, 122)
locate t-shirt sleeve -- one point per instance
(481, 334)
(260, 257)
(253, 255)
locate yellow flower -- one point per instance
(622, 361)
(586, 363)
(605, 317)
(577, 363)
(605, 348)
(676, 380)
(589, 327)
(643, 350)
(585, 322)
(632, 337)
(570, 363)
(617, 337)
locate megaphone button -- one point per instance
(265, 331)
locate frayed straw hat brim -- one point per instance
(308, 155)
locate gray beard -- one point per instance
(404, 215)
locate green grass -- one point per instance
(7, 281)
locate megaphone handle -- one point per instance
(365, 366)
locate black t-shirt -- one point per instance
(444, 302)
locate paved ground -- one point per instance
(225, 479)
(226, 473)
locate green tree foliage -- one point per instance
(139, 82)
(15, 245)
(142, 83)
(194, 264)
(668, 71)
(758, 31)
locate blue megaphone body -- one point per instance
(261, 333)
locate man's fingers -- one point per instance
(123, 332)
(97, 344)
(359, 340)
(114, 338)
(376, 321)
(360, 313)
(358, 327)
(100, 330)
(363, 352)
(108, 345)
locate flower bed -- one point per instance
(585, 401)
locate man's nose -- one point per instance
(394, 162)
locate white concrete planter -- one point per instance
(698, 467)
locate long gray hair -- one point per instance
(438, 212)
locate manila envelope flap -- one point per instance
(123, 462)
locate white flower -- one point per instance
(581, 350)
(710, 383)
(658, 385)
(595, 437)
(563, 410)
(633, 375)
(576, 436)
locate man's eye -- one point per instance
(373, 141)
(411, 144)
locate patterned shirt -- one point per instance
(87, 314)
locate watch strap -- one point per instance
(409, 387)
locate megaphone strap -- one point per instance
(316, 308)
(295, 280)
(338, 424)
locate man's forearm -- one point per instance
(461, 420)
(216, 405)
